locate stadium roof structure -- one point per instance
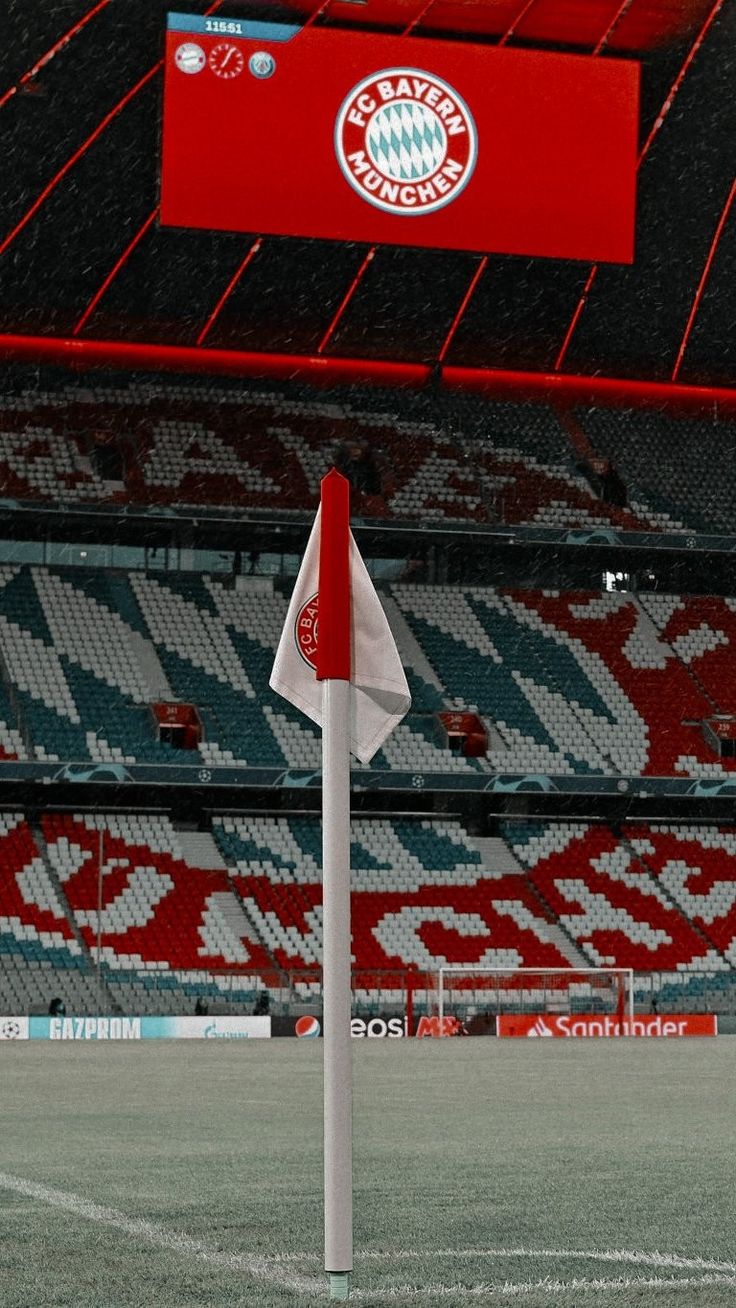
(88, 276)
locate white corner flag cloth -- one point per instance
(379, 694)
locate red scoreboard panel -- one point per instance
(356, 136)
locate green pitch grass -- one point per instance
(169, 1175)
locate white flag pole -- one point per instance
(335, 628)
(338, 1071)
(334, 667)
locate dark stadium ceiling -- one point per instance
(82, 257)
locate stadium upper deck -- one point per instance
(159, 443)
(79, 99)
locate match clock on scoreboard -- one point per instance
(226, 60)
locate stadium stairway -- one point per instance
(151, 668)
(500, 860)
(199, 849)
(103, 994)
(410, 651)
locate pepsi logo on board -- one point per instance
(306, 1027)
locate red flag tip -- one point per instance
(334, 476)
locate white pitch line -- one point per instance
(266, 1266)
(637, 1256)
(512, 1289)
(173, 1241)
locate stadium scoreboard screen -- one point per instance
(358, 136)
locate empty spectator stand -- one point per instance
(566, 683)
(170, 932)
(421, 895)
(223, 914)
(696, 868)
(607, 898)
(680, 467)
(186, 446)
(40, 955)
(83, 653)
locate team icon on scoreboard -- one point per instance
(262, 64)
(190, 57)
(226, 60)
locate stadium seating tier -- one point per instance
(186, 446)
(222, 915)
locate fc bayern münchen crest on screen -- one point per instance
(406, 141)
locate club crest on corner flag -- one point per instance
(336, 628)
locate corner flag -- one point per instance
(338, 663)
(379, 694)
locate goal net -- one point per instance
(478, 995)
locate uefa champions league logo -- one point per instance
(406, 141)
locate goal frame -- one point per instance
(457, 969)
